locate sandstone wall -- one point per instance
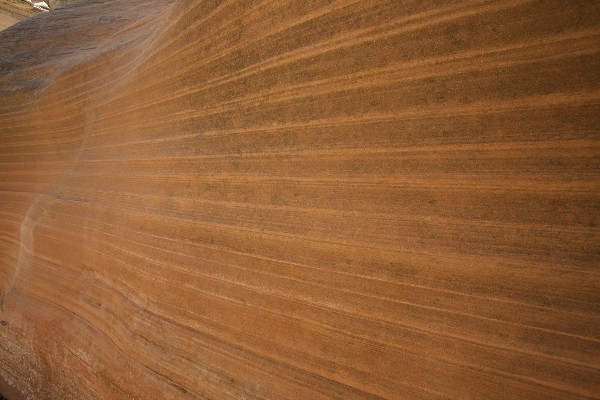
(301, 200)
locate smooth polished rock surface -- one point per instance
(301, 200)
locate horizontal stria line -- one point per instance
(342, 213)
(214, 247)
(341, 310)
(481, 370)
(377, 77)
(485, 107)
(369, 34)
(147, 309)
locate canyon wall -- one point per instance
(292, 199)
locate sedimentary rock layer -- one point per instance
(13, 11)
(301, 200)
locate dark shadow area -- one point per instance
(8, 392)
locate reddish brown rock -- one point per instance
(301, 200)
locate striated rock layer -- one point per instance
(13, 11)
(301, 200)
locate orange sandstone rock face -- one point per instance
(301, 200)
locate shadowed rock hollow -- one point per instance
(301, 200)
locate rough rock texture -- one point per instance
(301, 199)
(13, 11)
(58, 3)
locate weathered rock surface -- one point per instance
(58, 3)
(301, 199)
(13, 11)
